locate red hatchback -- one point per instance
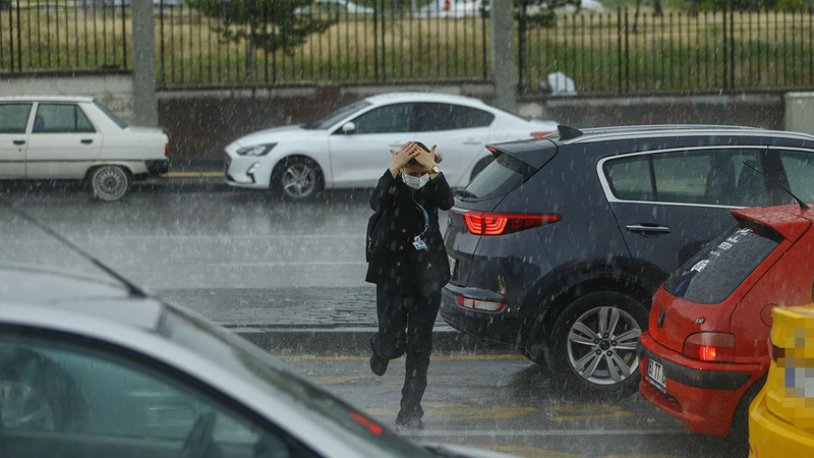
(704, 356)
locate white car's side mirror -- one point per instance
(349, 128)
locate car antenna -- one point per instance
(133, 289)
(567, 132)
(803, 205)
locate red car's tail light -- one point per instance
(710, 346)
(480, 223)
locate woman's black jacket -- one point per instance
(394, 261)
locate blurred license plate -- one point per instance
(655, 374)
(451, 266)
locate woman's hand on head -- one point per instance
(402, 157)
(427, 158)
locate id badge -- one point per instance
(419, 244)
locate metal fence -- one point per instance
(377, 46)
(624, 52)
(64, 35)
(617, 52)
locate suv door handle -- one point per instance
(87, 141)
(648, 229)
(19, 142)
(472, 141)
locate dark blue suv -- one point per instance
(558, 245)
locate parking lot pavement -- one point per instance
(505, 403)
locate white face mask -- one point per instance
(415, 182)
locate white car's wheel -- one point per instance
(109, 182)
(298, 178)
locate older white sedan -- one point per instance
(55, 137)
(350, 147)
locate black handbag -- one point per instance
(372, 222)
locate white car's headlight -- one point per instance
(256, 150)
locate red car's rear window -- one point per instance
(715, 272)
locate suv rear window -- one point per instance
(714, 273)
(500, 177)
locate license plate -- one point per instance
(655, 375)
(451, 266)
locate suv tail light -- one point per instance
(167, 150)
(710, 346)
(480, 223)
(478, 304)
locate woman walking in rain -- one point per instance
(409, 265)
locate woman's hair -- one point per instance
(438, 157)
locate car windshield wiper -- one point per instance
(134, 290)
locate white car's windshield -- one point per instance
(337, 116)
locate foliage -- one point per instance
(269, 25)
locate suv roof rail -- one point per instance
(656, 127)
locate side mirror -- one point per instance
(349, 128)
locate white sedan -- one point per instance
(350, 147)
(334, 7)
(48, 138)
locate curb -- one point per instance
(355, 341)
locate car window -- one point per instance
(68, 399)
(61, 118)
(799, 167)
(445, 116)
(713, 274)
(629, 178)
(393, 118)
(14, 117)
(714, 177)
(500, 177)
(710, 177)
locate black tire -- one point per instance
(739, 429)
(37, 393)
(594, 359)
(297, 178)
(109, 183)
(480, 165)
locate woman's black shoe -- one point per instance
(411, 422)
(378, 364)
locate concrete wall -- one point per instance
(201, 123)
(114, 89)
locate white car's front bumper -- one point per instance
(246, 171)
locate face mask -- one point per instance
(415, 182)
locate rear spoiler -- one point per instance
(786, 220)
(534, 153)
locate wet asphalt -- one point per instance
(278, 271)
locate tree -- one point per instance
(267, 25)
